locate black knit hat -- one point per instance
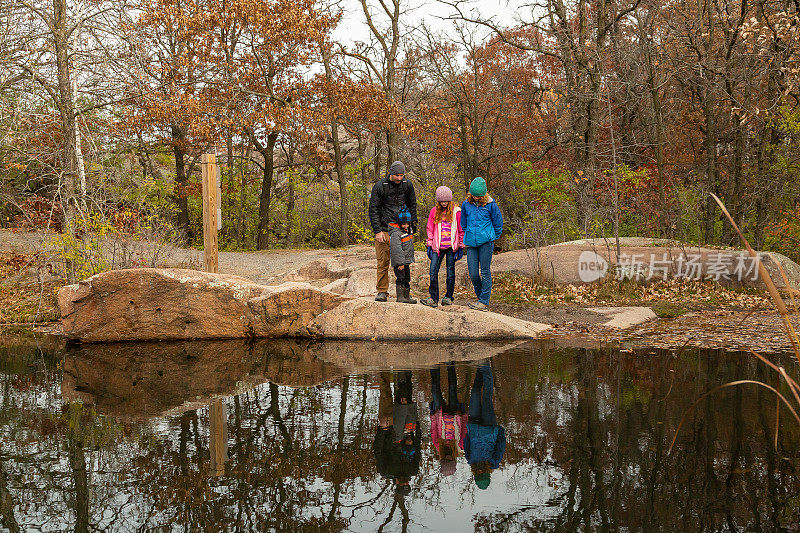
(397, 168)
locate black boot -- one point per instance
(401, 295)
(407, 299)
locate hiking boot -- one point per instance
(447, 301)
(409, 298)
(382, 297)
(403, 296)
(430, 302)
(478, 306)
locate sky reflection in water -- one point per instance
(281, 436)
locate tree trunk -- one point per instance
(80, 479)
(469, 170)
(710, 143)
(69, 183)
(181, 180)
(376, 162)
(337, 157)
(657, 136)
(244, 170)
(229, 176)
(262, 242)
(290, 204)
(391, 148)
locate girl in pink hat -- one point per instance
(445, 242)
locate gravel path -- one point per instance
(258, 266)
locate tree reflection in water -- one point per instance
(111, 444)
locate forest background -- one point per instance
(587, 118)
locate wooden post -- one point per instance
(210, 221)
(218, 433)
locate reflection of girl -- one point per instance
(486, 441)
(448, 419)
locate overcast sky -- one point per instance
(434, 14)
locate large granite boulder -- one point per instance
(157, 304)
(288, 310)
(366, 319)
(174, 304)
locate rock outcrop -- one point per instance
(288, 310)
(367, 319)
(139, 380)
(157, 304)
(362, 356)
(624, 317)
(175, 304)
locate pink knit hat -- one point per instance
(447, 468)
(444, 194)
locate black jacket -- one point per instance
(389, 457)
(387, 199)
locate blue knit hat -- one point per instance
(478, 187)
(404, 217)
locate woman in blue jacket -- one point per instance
(483, 224)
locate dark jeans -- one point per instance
(479, 264)
(436, 263)
(403, 276)
(402, 387)
(452, 406)
(481, 407)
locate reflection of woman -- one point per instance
(448, 419)
(397, 440)
(486, 441)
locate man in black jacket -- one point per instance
(389, 196)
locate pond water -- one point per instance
(296, 436)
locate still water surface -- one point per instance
(287, 436)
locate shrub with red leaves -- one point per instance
(40, 212)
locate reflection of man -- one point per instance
(397, 440)
(486, 441)
(389, 196)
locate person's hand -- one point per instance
(400, 267)
(429, 251)
(381, 237)
(459, 254)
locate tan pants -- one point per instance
(385, 403)
(382, 254)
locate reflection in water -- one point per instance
(322, 444)
(448, 419)
(486, 440)
(218, 432)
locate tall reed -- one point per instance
(782, 375)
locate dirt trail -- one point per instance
(560, 260)
(258, 266)
(723, 328)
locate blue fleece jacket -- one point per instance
(485, 443)
(481, 223)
